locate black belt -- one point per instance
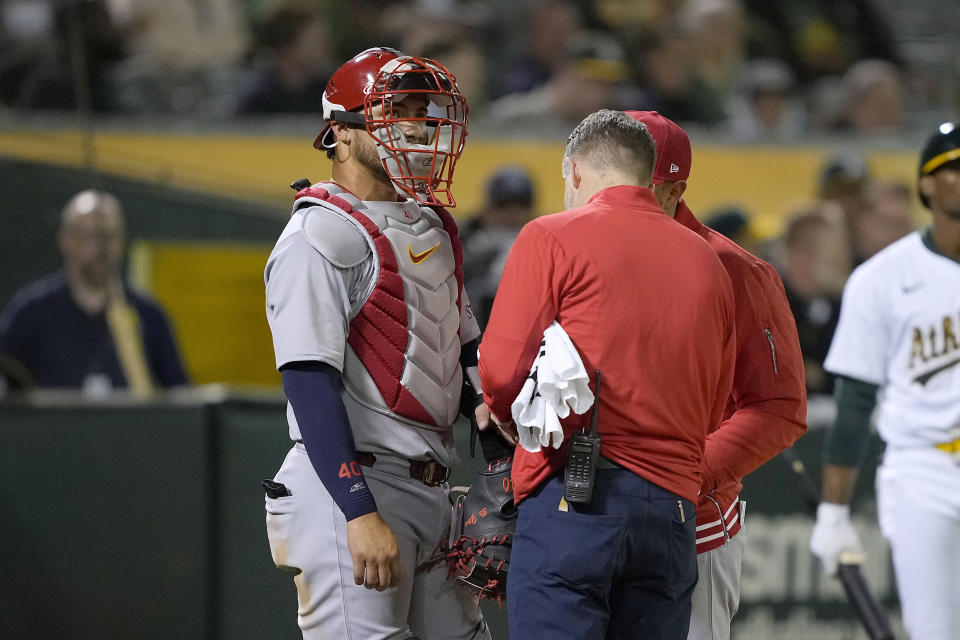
(606, 463)
(429, 472)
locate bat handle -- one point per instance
(871, 615)
(852, 557)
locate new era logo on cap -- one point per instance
(673, 146)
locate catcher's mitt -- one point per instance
(481, 534)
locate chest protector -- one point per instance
(403, 346)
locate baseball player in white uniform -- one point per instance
(371, 329)
(897, 346)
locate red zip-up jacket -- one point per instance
(645, 301)
(766, 412)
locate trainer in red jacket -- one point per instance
(648, 303)
(766, 411)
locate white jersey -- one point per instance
(899, 328)
(326, 268)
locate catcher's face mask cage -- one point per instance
(421, 170)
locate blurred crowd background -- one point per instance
(750, 69)
(806, 117)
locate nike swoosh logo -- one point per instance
(417, 258)
(925, 378)
(912, 288)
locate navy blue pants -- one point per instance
(622, 566)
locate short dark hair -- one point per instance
(612, 140)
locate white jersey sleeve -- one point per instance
(309, 303)
(861, 342)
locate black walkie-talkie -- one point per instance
(582, 458)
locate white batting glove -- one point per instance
(834, 538)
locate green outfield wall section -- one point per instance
(122, 520)
(105, 522)
(140, 521)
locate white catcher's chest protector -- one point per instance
(403, 352)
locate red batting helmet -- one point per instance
(375, 78)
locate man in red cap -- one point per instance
(766, 411)
(650, 305)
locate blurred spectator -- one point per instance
(463, 58)
(819, 37)
(448, 31)
(83, 326)
(421, 25)
(488, 236)
(843, 176)
(26, 29)
(183, 34)
(718, 44)
(766, 108)
(814, 264)
(734, 223)
(293, 62)
(666, 75)
(84, 48)
(659, 51)
(591, 76)
(888, 216)
(632, 15)
(845, 180)
(550, 26)
(185, 55)
(873, 98)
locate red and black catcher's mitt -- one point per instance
(484, 522)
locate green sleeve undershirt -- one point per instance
(846, 442)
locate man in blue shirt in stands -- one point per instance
(83, 327)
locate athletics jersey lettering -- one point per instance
(933, 344)
(900, 329)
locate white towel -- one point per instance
(557, 384)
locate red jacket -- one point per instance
(646, 302)
(766, 411)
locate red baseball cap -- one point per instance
(673, 146)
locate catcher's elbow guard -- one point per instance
(482, 530)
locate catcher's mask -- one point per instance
(379, 77)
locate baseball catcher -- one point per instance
(481, 533)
